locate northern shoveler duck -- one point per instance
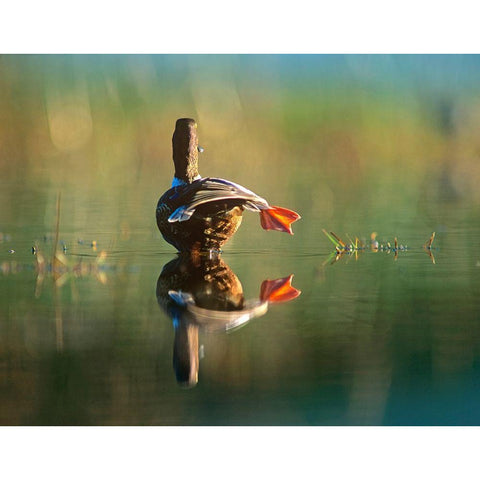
(202, 213)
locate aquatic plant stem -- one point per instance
(57, 227)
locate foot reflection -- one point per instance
(202, 292)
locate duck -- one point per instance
(201, 293)
(202, 213)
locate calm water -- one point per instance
(354, 144)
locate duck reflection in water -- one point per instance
(202, 292)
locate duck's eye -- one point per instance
(200, 149)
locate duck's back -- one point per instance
(202, 215)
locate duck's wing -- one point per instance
(206, 190)
(219, 319)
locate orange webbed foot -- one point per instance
(278, 218)
(279, 290)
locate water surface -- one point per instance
(354, 144)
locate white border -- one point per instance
(216, 26)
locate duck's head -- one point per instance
(185, 151)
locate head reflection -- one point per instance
(201, 292)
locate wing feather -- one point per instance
(208, 190)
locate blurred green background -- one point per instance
(354, 143)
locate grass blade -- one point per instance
(331, 238)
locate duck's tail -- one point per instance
(278, 218)
(279, 290)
